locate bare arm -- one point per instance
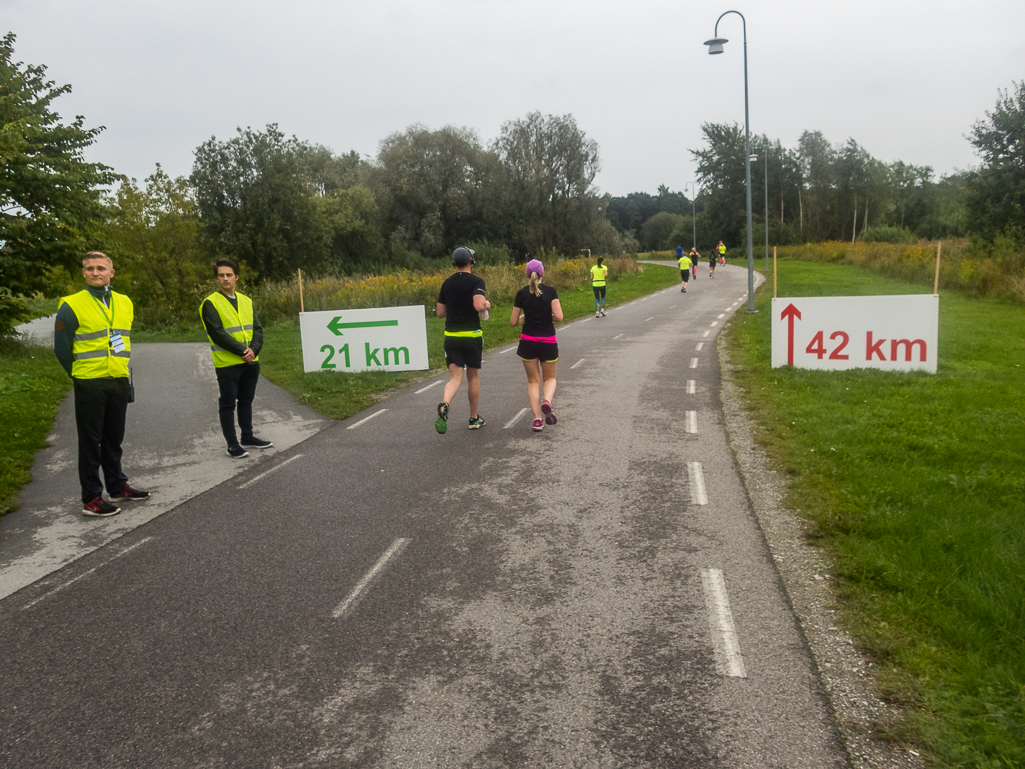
(480, 304)
(514, 320)
(557, 310)
(442, 310)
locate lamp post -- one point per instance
(714, 47)
(693, 220)
(765, 162)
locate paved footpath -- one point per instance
(173, 447)
(596, 595)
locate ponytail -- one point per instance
(535, 284)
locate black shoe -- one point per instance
(236, 451)
(128, 493)
(477, 422)
(99, 508)
(256, 443)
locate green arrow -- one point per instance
(335, 327)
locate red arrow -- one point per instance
(790, 313)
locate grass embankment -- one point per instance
(32, 385)
(914, 482)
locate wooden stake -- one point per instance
(936, 284)
(774, 294)
(302, 305)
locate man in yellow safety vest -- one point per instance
(92, 339)
(236, 337)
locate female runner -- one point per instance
(539, 306)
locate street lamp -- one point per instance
(693, 220)
(715, 46)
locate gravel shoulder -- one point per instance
(847, 675)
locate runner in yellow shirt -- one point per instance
(599, 274)
(685, 264)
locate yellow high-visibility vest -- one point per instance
(238, 324)
(93, 356)
(598, 275)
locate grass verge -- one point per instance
(32, 385)
(340, 395)
(914, 483)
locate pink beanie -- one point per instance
(535, 265)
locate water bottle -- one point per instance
(483, 314)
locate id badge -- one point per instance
(117, 342)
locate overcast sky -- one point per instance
(906, 80)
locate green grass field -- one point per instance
(915, 483)
(32, 385)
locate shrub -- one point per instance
(885, 234)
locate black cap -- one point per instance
(462, 256)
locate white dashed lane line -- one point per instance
(691, 423)
(697, 484)
(721, 316)
(700, 345)
(507, 349)
(618, 336)
(251, 481)
(428, 387)
(83, 575)
(728, 659)
(366, 419)
(357, 592)
(714, 323)
(691, 387)
(693, 362)
(647, 319)
(515, 419)
(707, 332)
(578, 362)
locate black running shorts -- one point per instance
(464, 351)
(531, 350)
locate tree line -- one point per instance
(275, 203)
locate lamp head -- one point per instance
(715, 44)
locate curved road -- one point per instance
(597, 595)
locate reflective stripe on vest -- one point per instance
(92, 356)
(237, 323)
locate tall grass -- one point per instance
(280, 300)
(981, 270)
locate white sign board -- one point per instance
(379, 339)
(893, 333)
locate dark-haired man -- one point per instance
(92, 339)
(236, 337)
(460, 302)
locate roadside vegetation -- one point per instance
(914, 483)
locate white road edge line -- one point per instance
(251, 481)
(691, 385)
(691, 422)
(515, 419)
(697, 484)
(728, 659)
(585, 320)
(714, 323)
(693, 362)
(428, 387)
(578, 362)
(126, 551)
(350, 600)
(617, 336)
(647, 319)
(366, 419)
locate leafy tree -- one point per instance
(257, 198)
(656, 231)
(996, 201)
(721, 175)
(50, 198)
(155, 240)
(435, 188)
(352, 217)
(551, 165)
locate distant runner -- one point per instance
(539, 307)
(711, 264)
(599, 275)
(721, 249)
(685, 265)
(694, 257)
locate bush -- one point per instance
(885, 234)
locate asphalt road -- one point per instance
(596, 595)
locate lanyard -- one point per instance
(103, 309)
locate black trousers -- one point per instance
(238, 386)
(101, 406)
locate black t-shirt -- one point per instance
(457, 293)
(537, 309)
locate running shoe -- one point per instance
(441, 423)
(477, 422)
(603, 312)
(98, 507)
(597, 314)
(546, 409)
(538, 426)
(236, 451)
(130, 494)
(256, 443)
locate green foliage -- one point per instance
(883, 233)
(657, 231)
(353, 220)
(154, 239)
(913, 482)
(32, 385)
(997, 191)
(49, 196)
(256, 197)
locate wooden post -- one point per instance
(302, 305)
(774, 294)
(936, 284)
